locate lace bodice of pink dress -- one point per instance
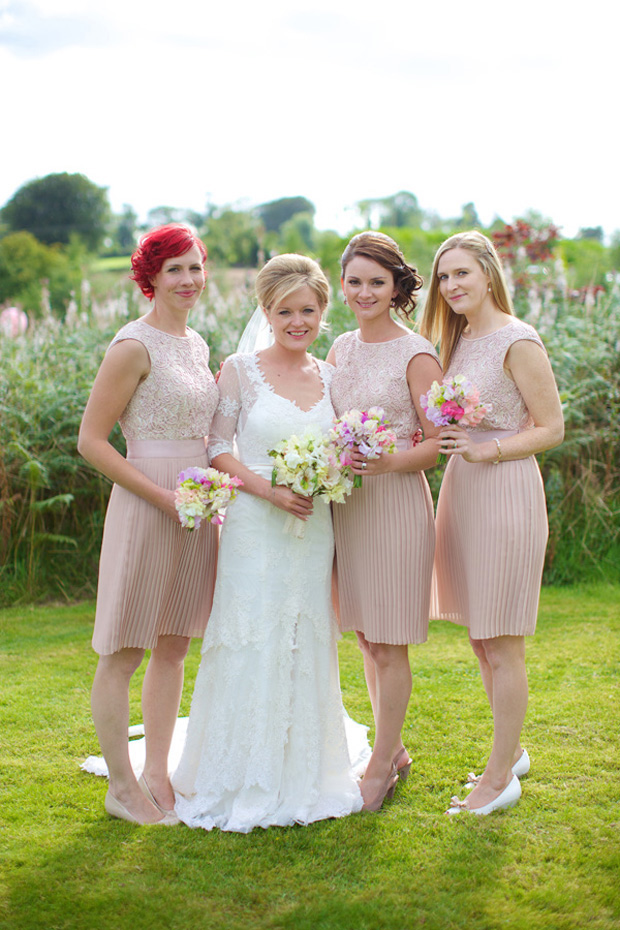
(178, 398)
(385, 535)
(374, 374)
(482, 361)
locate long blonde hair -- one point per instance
(439, 324)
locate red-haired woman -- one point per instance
(155, 578)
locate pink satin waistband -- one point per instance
(487, 435)
(164, 448)
(403, 444)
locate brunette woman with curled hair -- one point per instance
(385, 535)
(156, 579)
(491, 514)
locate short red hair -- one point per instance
(155, 247)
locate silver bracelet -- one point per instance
(499, 452)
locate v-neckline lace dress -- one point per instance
(268, 740)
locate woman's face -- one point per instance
(462, 282)
(296, 320)
(180, 281)
(368, 288)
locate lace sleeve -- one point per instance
(224, 424)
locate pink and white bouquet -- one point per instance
(366, 431)
(454, 402)
(310, 465)
(204, 494)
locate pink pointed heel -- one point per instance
(386, 792)
(402, 763)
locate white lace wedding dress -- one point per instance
(268, 740)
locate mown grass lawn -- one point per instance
(552, 862)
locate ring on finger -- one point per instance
(363, 465)
(454, 444)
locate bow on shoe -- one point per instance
(456, 806)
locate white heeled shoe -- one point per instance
(520, 768)
(508, 798)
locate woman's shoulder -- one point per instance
(345, 340)
(413, 340)
(517, 330)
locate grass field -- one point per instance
(552, 862)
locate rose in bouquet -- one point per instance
(310, 465)
(204, 494)
(454, 402)
(365, 431)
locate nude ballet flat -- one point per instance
(149, 794)
(520, 768)
(402, 763)
(115, 809)
(508, 798)
(387, 791)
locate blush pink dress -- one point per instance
(155, 577)
(491, 519)
(385, 534)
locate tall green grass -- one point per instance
(52, 505)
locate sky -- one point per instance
(511, 106)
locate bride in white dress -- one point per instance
(268, 740)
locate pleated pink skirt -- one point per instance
(491, 539)
(155, 577)
(385, 542)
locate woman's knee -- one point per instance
(172, 649)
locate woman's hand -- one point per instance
(361, 465)
(457, 441)
(295, 504)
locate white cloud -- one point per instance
(509, 107)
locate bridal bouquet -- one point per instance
(310, 465)
(364, 430)
(204, 494)
(454, 402)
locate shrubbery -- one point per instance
(53, 504)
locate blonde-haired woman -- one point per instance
(491, 514)
(266, 741)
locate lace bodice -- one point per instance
(482, 361)
(374, 374)
(257, 427)
(178, 397)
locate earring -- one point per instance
(344, 299)
(489, 288)
(270, 328)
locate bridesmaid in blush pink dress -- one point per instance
(156, 579)
(491, 514)
(385, 536)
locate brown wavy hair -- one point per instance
(384, 251)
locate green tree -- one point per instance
(160, 216)
(231, 237)
(26, 265)
(591, 232)
(297, 234)
(59, 205)
(469, 217)
(276, 213)
(398, 210)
